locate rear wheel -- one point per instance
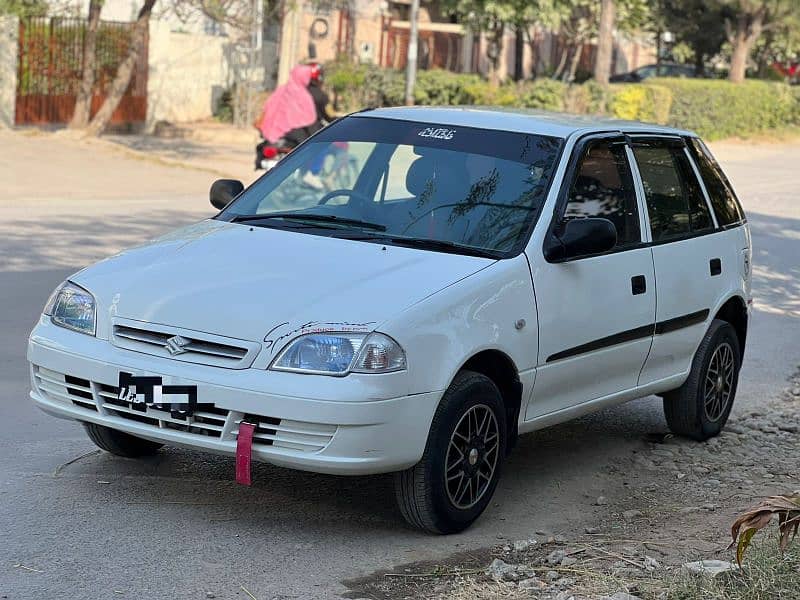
(700, 408)
(120, 443)
(455, 479)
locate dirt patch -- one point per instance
(422, 579)
(681, 498)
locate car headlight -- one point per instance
(72, 307)
(340, 354)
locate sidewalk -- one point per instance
(217, 148)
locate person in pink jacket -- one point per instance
(289, 112)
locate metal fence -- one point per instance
(51, 64)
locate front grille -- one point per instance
(294, 435)
(185, 346)
(209, 422)
(212, 421)
(58, 386)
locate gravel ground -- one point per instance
(682, 498)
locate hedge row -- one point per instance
(712, 108)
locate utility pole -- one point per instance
(413, 43)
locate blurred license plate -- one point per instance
(142, 391)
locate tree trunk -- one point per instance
(748, 30)
(535, 54)
(699, 63)
(763, 58)
(741, 50)
(411, 54)
(562, 62)
(576, 60)
(124, 72)
(519, 52)
(495, 52)
(659, 34)
(83, 103)
(605, 42)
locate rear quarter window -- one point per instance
(720, 192)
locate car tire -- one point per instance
(120, 443)
(472, 407)
(700, 408)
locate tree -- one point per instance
(23, 8)
(83, 102)
(124, 72)
(577, 22)
(411, 55)
(749, 20)
(700, 24)
(605, 41)
(779, 46)
(491, 17)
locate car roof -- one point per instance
(539, 122)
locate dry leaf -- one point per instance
(787, 508)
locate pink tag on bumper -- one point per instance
(244, 447)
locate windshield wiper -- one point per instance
(310, 217)
(437, 245)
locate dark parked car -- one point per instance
(648, 71)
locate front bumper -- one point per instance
(329, 425)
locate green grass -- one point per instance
(765, 575)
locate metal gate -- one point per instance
(50, 69)
(437, 49)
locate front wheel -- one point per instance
(700, 408)
(120, 443)
(453, 483)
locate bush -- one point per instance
(357, 86)
(712, 108)
(223, 111)
(717, 109)
(442, 88)
(796, 97)
(636, 102)
(544, 94)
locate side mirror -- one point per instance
(581, 237)
(223, 191)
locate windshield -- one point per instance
(443, 188)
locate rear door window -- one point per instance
(699, 215)
(719, 189)
(675, 201)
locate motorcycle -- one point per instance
(269, 154)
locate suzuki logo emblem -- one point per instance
(176, 345)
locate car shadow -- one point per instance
(544, 468)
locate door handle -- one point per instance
(715, 266)
(638, 285)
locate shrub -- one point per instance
(544, 94)
(716, 109)
(596, 98)
(485, 94)
(635, 102)
(359, 86)
(712, 108)
(223, 111)
(442, 88)
(796, 98)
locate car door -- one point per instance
(692, 256)
(596, 313)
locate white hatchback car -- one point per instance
(470, 276)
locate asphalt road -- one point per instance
(176, 526)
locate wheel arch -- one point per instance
(501, 369)
(734, 311)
